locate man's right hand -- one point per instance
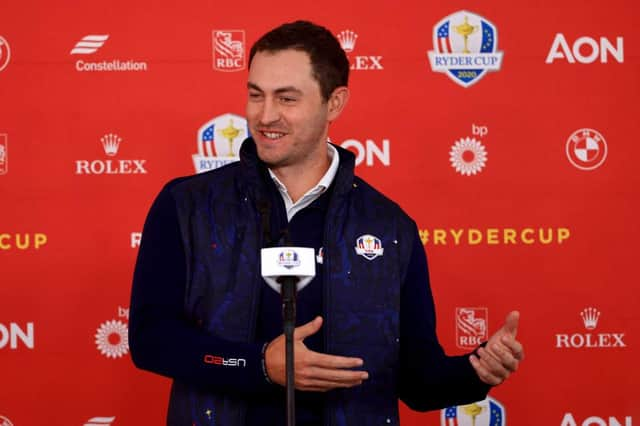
(314, 371)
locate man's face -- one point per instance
(287, 115)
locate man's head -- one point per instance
(328, 61)
(295, 91)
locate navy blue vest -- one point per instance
(221, 228)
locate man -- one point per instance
(201, 314)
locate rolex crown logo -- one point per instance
(111, 143)
(590, 318)
(347, 40)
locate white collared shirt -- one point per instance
(314, 193)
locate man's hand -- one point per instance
(502, 354)
(314, 371)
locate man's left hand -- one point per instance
(502, 354)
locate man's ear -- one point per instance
(337, 101)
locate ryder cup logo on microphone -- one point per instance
(288, 259)
(465, 48)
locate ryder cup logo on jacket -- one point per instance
(219, 142)
(289, 259)
(487, 412)
(369, 246)
(465, 48)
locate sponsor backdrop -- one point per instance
(508, 131)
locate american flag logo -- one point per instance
(444, 44)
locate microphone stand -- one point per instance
(289, 322)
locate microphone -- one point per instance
(288, 270)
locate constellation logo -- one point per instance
(488, 412)
(90, 44)
(228, 50)
(471, 327)
(5, 421)
(569, 420)
(14, 335)
(468, 156)
(4, 154)
(5, 53)
(99, 421)
(465, 48)
(219, 142)
(586, 50)
(590, 317)
(112, 337)
(347, 39)
(586, 149)
(110, 144)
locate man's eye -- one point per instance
(287, 100)
(254, 95)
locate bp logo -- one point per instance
(465, 48)
(112, 339)
(487, 412)
(586, 149)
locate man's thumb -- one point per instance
(511, 323)
(306, 330)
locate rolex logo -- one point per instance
(347, 40)
(111, 143)
(590, 318)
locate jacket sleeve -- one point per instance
(161, 338)
(429, 379)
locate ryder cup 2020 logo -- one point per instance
(465, 48)
(219, 142)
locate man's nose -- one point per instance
(270, 112)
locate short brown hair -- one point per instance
(328, 61)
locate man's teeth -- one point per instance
(273, 135)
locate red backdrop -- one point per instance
(522, 183)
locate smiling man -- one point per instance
(201, 314)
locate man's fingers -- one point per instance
(308, 329)
(506, 358)
(332, 361)
(314, 378)
(511, 323)
(514, 346)
(483, 371)
(493, 363)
